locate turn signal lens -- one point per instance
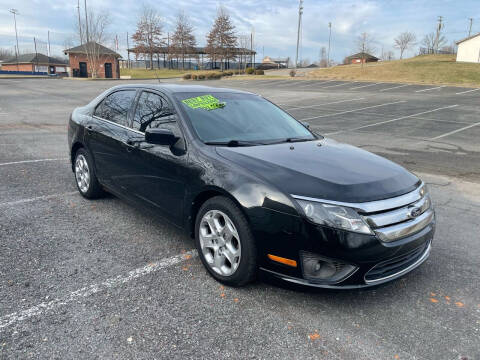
(282, 260)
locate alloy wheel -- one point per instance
(220, 242)
(82, 173)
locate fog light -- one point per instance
(320, 269)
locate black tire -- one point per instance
(94, 190)
(247, 268)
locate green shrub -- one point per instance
(250, 70)
(228, 73)
(194, 76)
(187, 76)
(201, 76)
(259, 72)
(293, 73)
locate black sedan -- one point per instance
(256, 188)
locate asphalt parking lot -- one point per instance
(100, 279)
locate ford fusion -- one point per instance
(256, 189)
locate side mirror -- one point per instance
(160, 137)
(306, 124)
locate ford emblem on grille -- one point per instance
(415, 212)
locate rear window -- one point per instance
(115, 107)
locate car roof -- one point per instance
(182, 88)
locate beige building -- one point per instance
(469, 49)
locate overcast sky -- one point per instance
(274, 22)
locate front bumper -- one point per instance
(414, 260)
(377, 259)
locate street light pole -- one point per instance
(300, 12)
(15, 13)
(329, 38)
(86, 21)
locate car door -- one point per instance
(107, 137)
(158, 173)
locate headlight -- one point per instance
(335, 216)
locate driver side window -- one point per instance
(153, 111)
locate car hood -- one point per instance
(324, 169)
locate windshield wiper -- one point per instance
(234, 143)
(291, 140)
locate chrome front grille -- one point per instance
(406, 215)
(398, 266)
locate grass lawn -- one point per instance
(152, 74)
(424, 69)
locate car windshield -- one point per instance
(240, 119)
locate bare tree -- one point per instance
(148, 37)
(429, 42)
(6, 54)
(305, 62)
(404, 41)
(244, 42)
(388, 55)
(365, 45)
(221, 40)
(323, 57)
(183, 40)
(97, 35)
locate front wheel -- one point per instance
(85, 177)
(225, 243)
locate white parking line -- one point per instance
(345, 83)
(329, 103)
(288, 82)
(395, 87)
(363, 86)
(318, 82)
(349, 111)
(434, 88)
(31, 161)
(392, 120)
(464, 92)
(87, 291)
(454, 131)
(38, 198)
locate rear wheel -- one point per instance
(225, 243)
(85, 177)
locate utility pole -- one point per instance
(329, 38)
(86, 21)
(470, 28)
(48, 37)
(300, 12)
(128, 54)
(79, 23)
(15, 13)
(36, 54)
(437, 37)
(251, 50)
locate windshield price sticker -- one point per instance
(207, 102)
